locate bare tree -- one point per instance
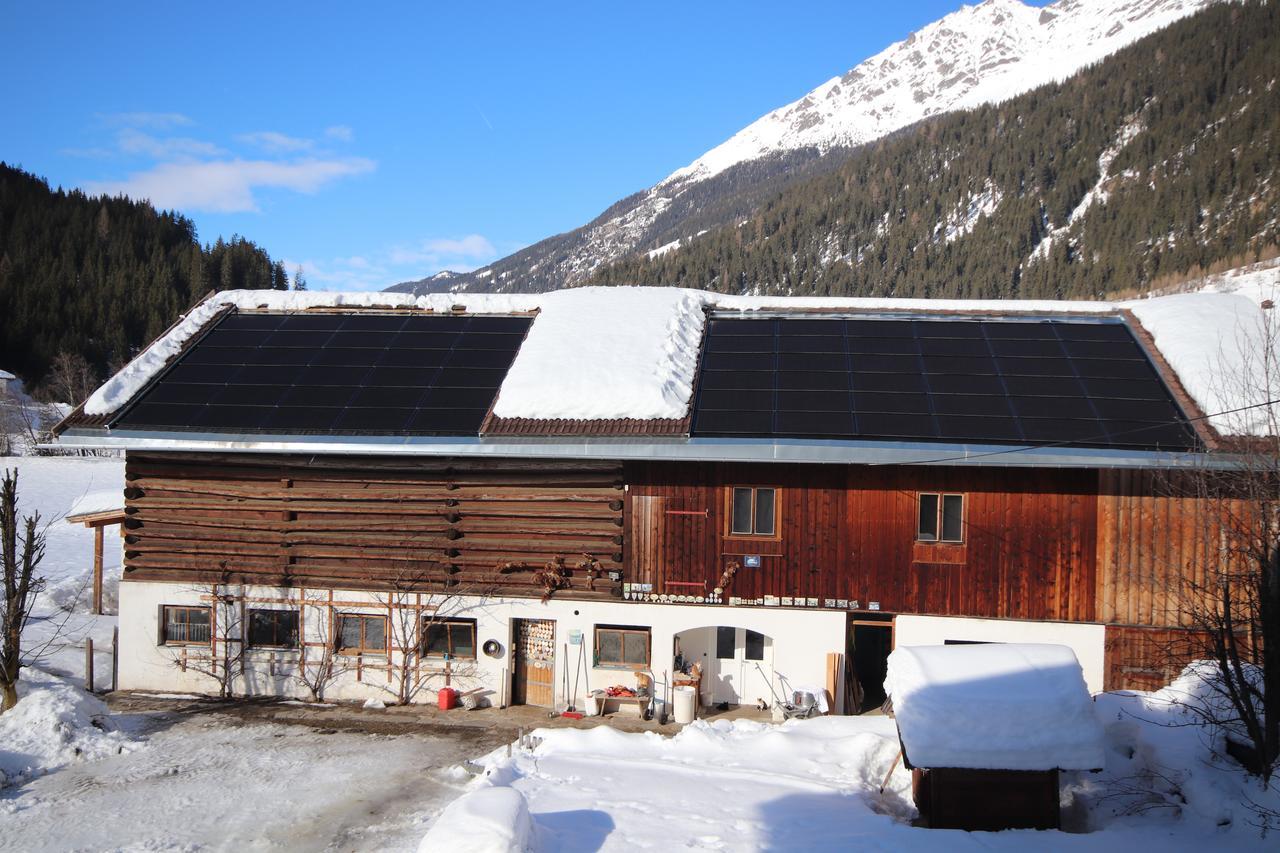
(413, 608)
(71, 378)
(22, 545)
(319, 664)
(1231, 597)
(214, 648)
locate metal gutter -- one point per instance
(651, 448)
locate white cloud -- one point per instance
(154, 121)
(276, 143)
(227, 186)
(460, 254)
(340, 132)
(133, 141)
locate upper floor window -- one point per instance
(941, 518)
(753, 511)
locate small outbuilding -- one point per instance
(98, 510)
(986, 728)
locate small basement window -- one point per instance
(622, 646)
(941, 518)
(362, 634)
(186, 626)
(449, 638)
(273, 628)
(753, 511)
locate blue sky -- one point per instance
(377, 143)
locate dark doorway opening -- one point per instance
(870, 645)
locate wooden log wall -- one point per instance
(372, 522)
(849, 532)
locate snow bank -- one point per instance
(1005, 706)
(597, 353)
(1163, 762)
(54, 724)
(485, 820)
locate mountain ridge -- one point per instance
(977, 54)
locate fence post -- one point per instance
(88, 664)
(115, 657)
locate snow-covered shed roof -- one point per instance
(96, 503)
(994, 706)
(625, 361)
(6, 375)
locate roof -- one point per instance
(6, 375)
(626, 364)
(96, 503)
(994, 706)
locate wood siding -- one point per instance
(849, 533)
(1153, 547)
(371, 522)
(1149, 658)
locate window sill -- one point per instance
(622, 667)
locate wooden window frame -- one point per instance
(940, 515)
(250, 644)
(164, 625)
(623, 630)
(729, 533)
(448, 624)
(363, 649)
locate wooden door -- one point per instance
(535, 659)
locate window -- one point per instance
(449, 638)
(726, 642)
(186, 625)
(941, 518)
(623, 647)
(277, 628)
(755, 646)
(753, 511)
(360, 634)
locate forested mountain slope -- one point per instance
(1160, 161)
(99, 277)
(979, 54)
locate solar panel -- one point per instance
(1085, 382)
(335, 374)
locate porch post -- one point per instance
(97, 570)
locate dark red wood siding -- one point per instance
(849, 533)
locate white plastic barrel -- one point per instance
(685, 701)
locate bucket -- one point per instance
(686, 699)
(447, 698)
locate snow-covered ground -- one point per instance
(815, 785)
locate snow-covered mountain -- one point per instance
(978, 54)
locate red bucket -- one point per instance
(447, 698)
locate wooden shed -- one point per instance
(986, 728)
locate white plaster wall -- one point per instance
(1087, 641)
(799, 641)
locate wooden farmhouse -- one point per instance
(389, 493)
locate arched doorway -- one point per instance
(736, 664)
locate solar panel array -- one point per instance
(985, 381)
(335, 374)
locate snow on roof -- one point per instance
(994, 706)
(597, 353)
(92, 503)
(6, 375)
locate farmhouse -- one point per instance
(543, 495)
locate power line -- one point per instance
(1072, 442)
